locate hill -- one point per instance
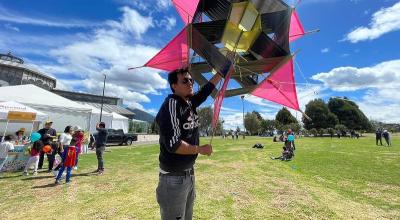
(142, 115)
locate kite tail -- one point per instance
(306, 116)
(133, 68)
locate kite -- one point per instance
(247, 41)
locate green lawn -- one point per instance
(328, 179)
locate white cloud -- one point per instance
(15, 17)
(108, 50)
(381, 82)
(132, 22)
(163, 4)
(385, 74)
(325, 50)
(10, 27)
(383, 21)
(381, 105)
(148, 5)
(168, 22)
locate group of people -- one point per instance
(68, 145)
(380, 132)
(288, 148)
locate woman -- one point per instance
(79, 138)
(20, 137)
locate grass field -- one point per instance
(328, 179)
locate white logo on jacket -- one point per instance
(193, 122)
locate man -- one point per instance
(47, 135)
(100, 143)
(378, 135)
(386, 135)
(179, 144)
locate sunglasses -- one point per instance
(187, 81)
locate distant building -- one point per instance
(13, 72)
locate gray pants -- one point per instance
(175, 195)
(99, 154)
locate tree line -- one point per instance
(337, 115)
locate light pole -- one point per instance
(242, 97)
(102, 97)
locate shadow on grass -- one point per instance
(53, 184)
(45, 186)
(10, 177)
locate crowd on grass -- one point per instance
(68, 146)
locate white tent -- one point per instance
(120, 122)
(60, 110)
(25, 117)
(95, 118)
(11, 106)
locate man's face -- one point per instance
(184, 85)
(48, 125)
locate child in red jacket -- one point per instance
(68, 161)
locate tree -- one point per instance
(267, 125)
(220, 127)
(313, 131)
(284, 118)
(258, 115)
(251, 123)
(320, 115)
(205, 119)
(341, 128)
(349, 114)
(154, 127)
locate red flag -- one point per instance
(174, 55)
(219, 98)
(280, 87)
(296, 30)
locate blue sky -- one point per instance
(356, 53)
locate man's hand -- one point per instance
(205, 149)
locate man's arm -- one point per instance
(205, 91)
(188, 149)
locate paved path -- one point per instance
(134, 144)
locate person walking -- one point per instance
(179, 144)
(48, 134)
(378, 135)
(386, 136)
(100, 143)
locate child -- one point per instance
(79, 137)
(34, 157)
(68, 161)
(5, 147)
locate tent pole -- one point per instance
(5, 130)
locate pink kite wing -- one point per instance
(296, 30)
(220, 98)
(174, 55)
(186, 9)
(280, 87)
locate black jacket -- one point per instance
(178, 121)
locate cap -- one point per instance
(49, 122)
(77, 128)
(21, 129)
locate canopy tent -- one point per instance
(120, 122)
(23, 116)
(60, 110)
(15, 111)
(95, 118)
